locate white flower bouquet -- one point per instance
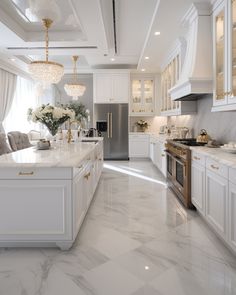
(52, 117)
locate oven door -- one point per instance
(180, 175)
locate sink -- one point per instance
(91, 140)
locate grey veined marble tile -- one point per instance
(137, 239)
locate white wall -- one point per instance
(86, 99)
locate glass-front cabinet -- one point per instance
(169, 77)
(224, 29)
(142, 101)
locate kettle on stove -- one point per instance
(203, 137)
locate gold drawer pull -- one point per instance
(87, 175)
(215, 167)
(26, 173)
(163, 155)
(196, 158)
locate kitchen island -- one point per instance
(45, 194)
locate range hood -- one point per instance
(197, 71)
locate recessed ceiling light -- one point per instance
(143, 70)
(146, 267)
(112, 59)
(157, 33)
(12, 59)
(146, 57)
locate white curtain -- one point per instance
(28, 94)
(24, 99)
(7, 90)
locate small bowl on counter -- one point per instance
(43, 144)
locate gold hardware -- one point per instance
(163, 155)
(215, 167)
(196, 158)
(69, 133)
(26, 173)
(87, 175)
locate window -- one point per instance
(28, 94)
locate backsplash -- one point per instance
(219, 125)
(154, 123)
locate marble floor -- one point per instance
(137, 239)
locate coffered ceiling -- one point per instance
(104, 33)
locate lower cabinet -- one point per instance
(216, 202)
(232, 215)
(198, 175)
(139, 145)
(159, 157)
(39, 210)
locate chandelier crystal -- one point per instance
(75, 89)
(46, 72)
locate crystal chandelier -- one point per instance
(75, 89)
(46, 72)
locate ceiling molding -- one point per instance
(12, 25)
(14, 69)
(148, 33)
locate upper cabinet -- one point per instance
(169, 77)
(142, 102)
(224, 30)
(111, 87)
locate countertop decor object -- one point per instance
(203, 137)
(45, 71)
(50, 116)
(142, 125)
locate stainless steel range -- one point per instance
(179, 168)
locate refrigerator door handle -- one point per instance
(110, 125)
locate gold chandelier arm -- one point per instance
(47, 24)
(75, 58)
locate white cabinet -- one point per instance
(79, 201)
(217, 202)
(139, 145)
(160, 157)
(169, 77)
(224, 55)
(111, 87)
(35, 210)
(232, 215)
(198, 174)
(142, 102)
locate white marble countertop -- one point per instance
(217, 154)
(60, 155)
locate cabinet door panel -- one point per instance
(232, 215)
(216, 202)
(139, 148)
(198, 187)
(232, 52)
(102, 88)
(120, 88)
(79, 202)
(220, 54)
(47, 215)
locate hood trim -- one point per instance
(196, 75)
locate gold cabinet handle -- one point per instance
(215, 167)
(196, 158)
(87, 175)
(26, 173)
(163, 155)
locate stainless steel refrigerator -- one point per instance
(112, 122)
